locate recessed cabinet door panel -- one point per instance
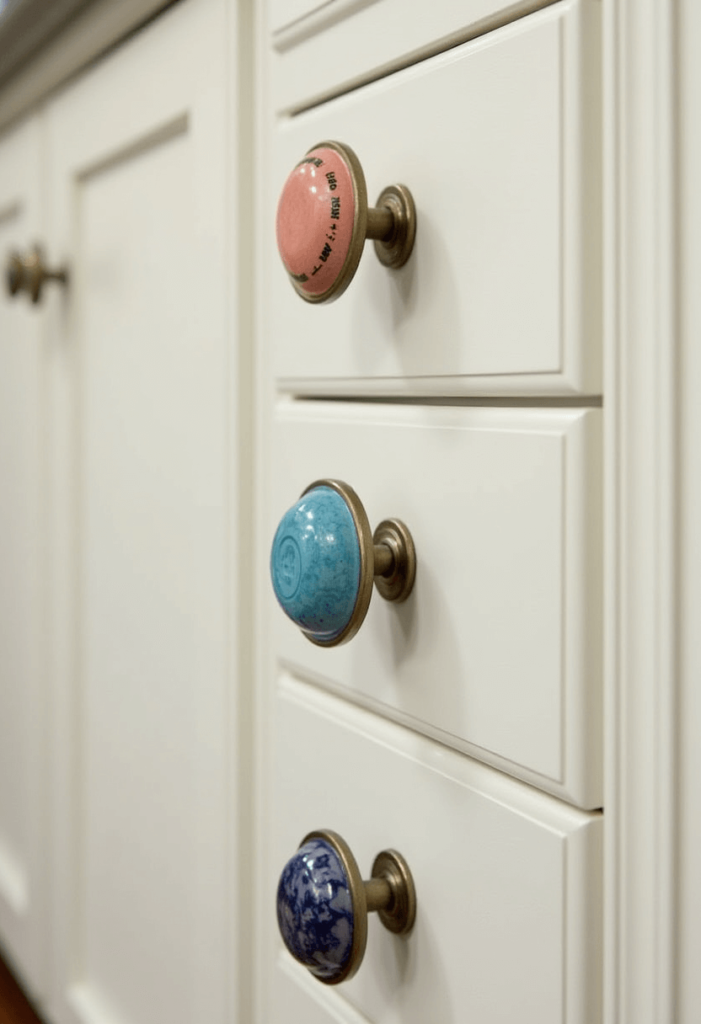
(23, 699)
(508, 882)
(498, 648)
(502, 291)
(140, 393)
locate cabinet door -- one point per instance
(508, 881)
(502, 291)
(22, 695)
(141, 435)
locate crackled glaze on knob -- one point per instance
(315, 219)
(315, 564)
(315, 911)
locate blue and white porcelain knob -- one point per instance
(323, 904)
(325, 558)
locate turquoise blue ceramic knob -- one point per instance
(323, 904)
(325, 558)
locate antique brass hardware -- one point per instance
(28, 273)
(323, 904)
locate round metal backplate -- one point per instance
(395, 251)
(399, 917)
(358, 902)
(399, 583)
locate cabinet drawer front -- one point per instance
(321, 47)
(502, 291)
(498, 649)
(507, 880)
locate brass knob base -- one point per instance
(400, 914)
(28, 273)
(395, 248)
(14, 273)
(397, 583)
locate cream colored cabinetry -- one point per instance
(499, 141)
(523, 393)
(138, 430)
(463, 727)
(24, 693)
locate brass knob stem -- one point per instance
(384, 560)
(395, 560)
(381, 223)
(378, 894)
(28, 273)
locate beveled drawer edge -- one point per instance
(482, 27)
(327, 13)
(329, 999)
(376, 720)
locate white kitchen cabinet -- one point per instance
(24, 691)
(323, 49)
(141, 412)
(497, 651)
(504, 876)
(471, 380)
(499, 141)
(166, 737)
(130, 569)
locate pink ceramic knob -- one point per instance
(323, 220)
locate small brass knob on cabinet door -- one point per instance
(325, 560)
(323, 904)
(323, 220)
(29, 272)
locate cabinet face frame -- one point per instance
(24, 725)
(171, 151)
(643, 97)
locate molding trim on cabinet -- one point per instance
(340, 1011)
(689, 788)
(322, 17)
(99, 26)
(135, 147)
(26, 25)
(642, 483)
(315, 23)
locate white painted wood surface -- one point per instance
(24, 697)
(498, 649)
(497, 654)
(498, 141)
(506, 927)
(322, 48)
(141, 416)
(650, 539)
(689, 809)
(650, 946)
